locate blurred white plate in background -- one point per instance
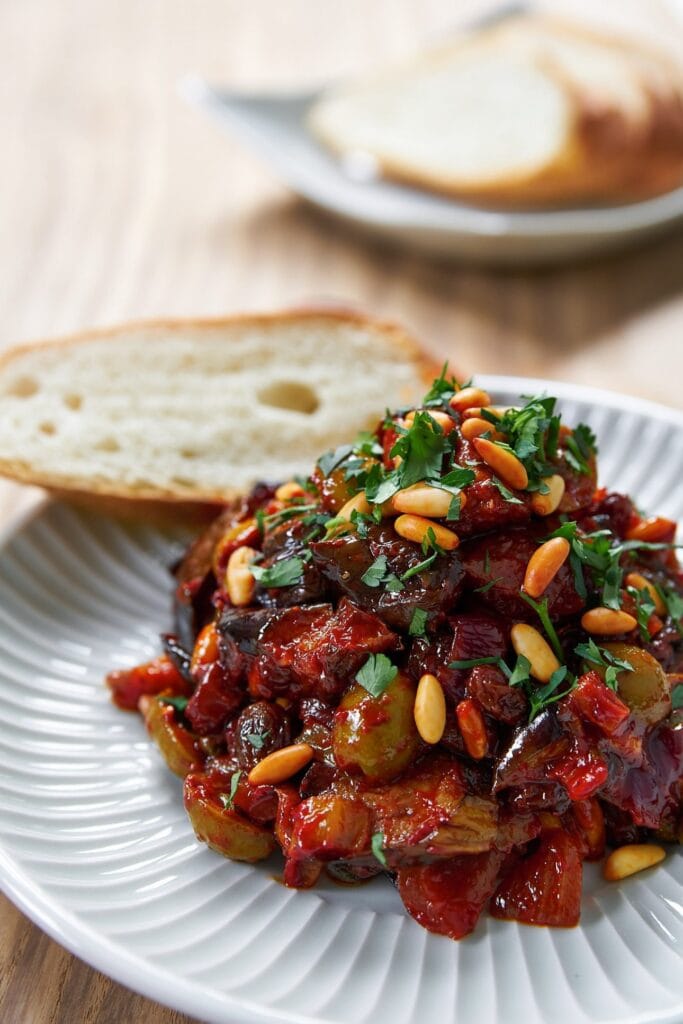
(273, 126)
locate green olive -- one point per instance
(646, 689)
(222, 829)
(376, 736)
(176, 745)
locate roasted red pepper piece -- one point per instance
(447, 897)
(581, 773)
(545, 887)
(594, 701)
(127, 685)
(217, 668)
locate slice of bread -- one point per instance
(196, 411)
(531, 112)
(465, 122)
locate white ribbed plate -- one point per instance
(96, 848)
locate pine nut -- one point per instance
(628, 860)
(526, 640)
(358, 503)
(546, 504)
(430, 709)
(239, 582)
(415, 528)
(472, 728)
(653, 530)
(286, 492)
(544, 565)
(607, 621)
(205, 649)
(505, 464)
(634, 579)
(423, 500)
(475, 428)
(495, 410)
(468, 397)
(445, 421)
(281, 765)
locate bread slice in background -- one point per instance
(194, 412)
(530, 112)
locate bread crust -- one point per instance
(157, 502)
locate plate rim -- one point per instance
(145, 977)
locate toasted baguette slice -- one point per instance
(195, 412)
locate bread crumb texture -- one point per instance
(196, 411)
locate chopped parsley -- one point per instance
(377, 847)
(601, 554)
(420, 567)
(257, 739)
(603, 658)
(421, 448)
(228, 799)
(541, 609)
(379, 575)
(505, 492)
(674, 605)
(579, 447)
(179, 703)
(645, 607)
(376, 674)
(473, 662)
(442, 389)
(677, 697)
(375, 574)
(333, 459)
(541, 697)
(521, 672)
(281, 574)
(484, 589)
(418, 623)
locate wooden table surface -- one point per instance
(117, 201)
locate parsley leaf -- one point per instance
(521, 672)
(645, 607)
(373, 576)
(541, 609)
(511, 498)
(418, 623)
(674, 605)
(378, 574)
(421, 448)
(541, 697)
(377, 847)
(457, 477)
(443, 388)
(376, 674)
(228, 799)
(179, 703)
(579, 446)
(333, 459)
(603, 658)
(281, 574)
(473, 662)
(420, 567)
(484, 589)
(257, 739)
(677, 697)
